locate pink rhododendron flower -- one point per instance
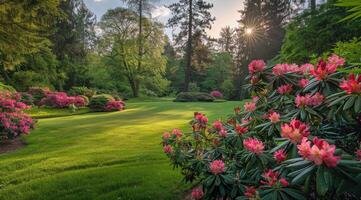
(306, 68)
(274, 117)
(202, 118)
(222, 133)
(284, 89)
(254, 80)
(241, 129)
(284, 182)
(197, 193)
(336, 60)
(217, 125)
(217, 167)
(352, 85)
(177, 132)
(282, 69)
(271, 177)
(256, 66)
(255, 99)
(295, 131)
(250, 191)
(358, 154)
(166, 135)
(303, 82)
(167, 149)
(253, 145)
(308, 100)
(114, 106)
(246, 120)
(323, 69)
(216, 94)
(320, 152)
(250, 106)
(280, 155)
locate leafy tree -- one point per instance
(24, 30)
(190, 16)
(301, 43)
(120, 45)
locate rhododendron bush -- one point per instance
(13, 122)
(299, 138)
(62, 100)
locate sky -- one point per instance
(225, 11)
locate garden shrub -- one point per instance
(194, 96)
(62, 100)
(13, 122)
(99, 102)
(6, 88)
(38, 93)
(26, 98)
(84, 91)
(217, 94)
(298, 138)
(114, 106)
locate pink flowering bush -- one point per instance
(299, 137)
(217, 94)
(61, 100)
(13, 122)
(114, 106)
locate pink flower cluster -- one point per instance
(271, 178)
(324, 69)
(303, 82)
(197, 193)
(216, 94)
(320, 152)
(167, 149)
(295, 131)
(114, 106)
(274, 117)
(284, 89)
(256, 66)
(250, 106)
(241, 129)
(282, 69)
(61, 100)
(306, 68)
(201, 118)
(352, 85)
(217, 167)
(280, 155)
(177, 132)
(308, 100)
(13, 121)
(253, 145)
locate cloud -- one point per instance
(98, 0)
(160, 12)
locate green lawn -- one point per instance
(102, 155)
(40, 113)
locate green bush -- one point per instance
(98, 102)
(26, 98)
(82, 91)
(194, 96)
(86, 99)
(8, 88)
(38, 93)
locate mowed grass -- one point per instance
(102, 155)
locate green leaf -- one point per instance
(349, 103)
(299, 164)
(357, 107)
(321, 185)
(295, 194)
(303, 175)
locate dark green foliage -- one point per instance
(98, 102)
(313, 33)
(38, 93)
(8, 88)
(193, 97)
(26, 98)
(84, 91)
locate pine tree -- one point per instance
(24, 30)
(190, 17)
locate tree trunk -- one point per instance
(313, 5)
(140, 35)
(187, 68)
(134, 85)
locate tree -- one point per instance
(24, 30)
(120, 45)
(73, 38)
(190, 16)
(226, 40)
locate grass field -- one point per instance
(102, 155)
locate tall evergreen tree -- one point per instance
(190, 17)
(226, 39)
(24, 30)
